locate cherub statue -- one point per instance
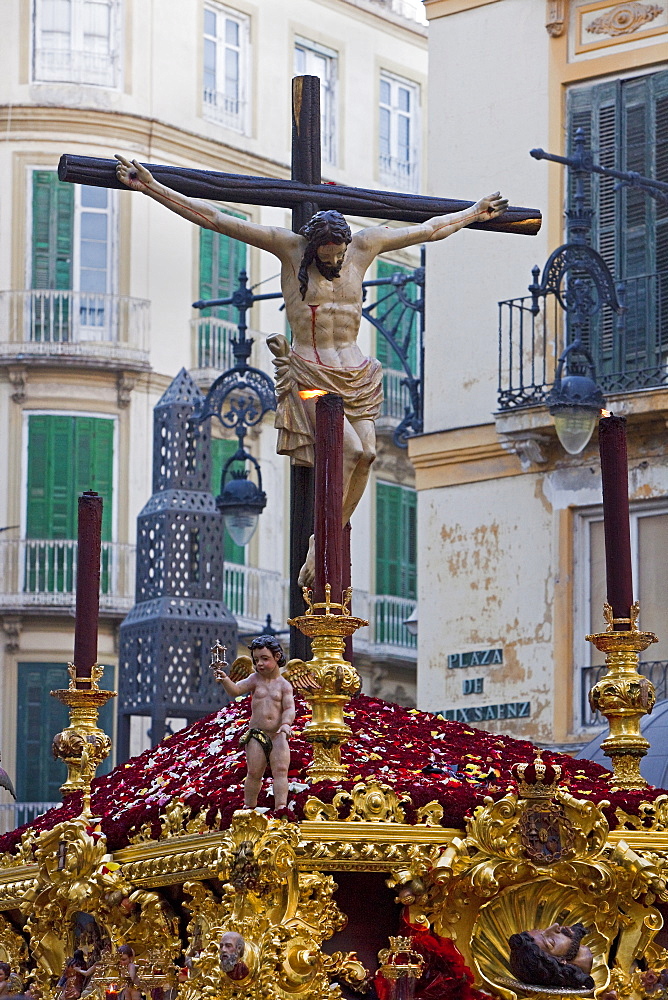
(272, 710)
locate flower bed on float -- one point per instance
(418, 753)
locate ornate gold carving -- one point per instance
(282, 914)
(554, 17)
(337, 681)
(391, 964)
(625, 18)
(345, 965)
(623, 696)
(652, 816)
(13, 948)
(369, 801)
(83, 745)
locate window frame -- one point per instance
(328, 94)
(389, 174)
(113, 56)
(582, 625)
(240, 122)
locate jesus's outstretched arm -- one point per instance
(272, 238)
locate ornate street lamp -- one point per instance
(239, 399)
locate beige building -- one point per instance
(96, 289)
(511, 571)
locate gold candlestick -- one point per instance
(328, 625)
(623, 696)
(82, 745)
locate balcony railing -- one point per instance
(402, 174)
(251, 594)
(630, 349)
(395, 395)
(42, 322)
(227, 111)
(213, 338)
(15, 814)
(37, 572)
(68, 65)
(386, 634)
(655, 670)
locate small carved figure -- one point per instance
(75, 976)
(272, 715)
(232, 948)
(130, 991)
(10, 983)
(322, 270)
(552, 957)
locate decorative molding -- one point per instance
(12, 626)
(125, 383)
(529, 448)
(555, 17)
(624, 19)
(17, 377)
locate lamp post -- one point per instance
(239, 399)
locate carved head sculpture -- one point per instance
(553, 957)
(324, 229)
(232, 948)
(5, 972)
(272, 644)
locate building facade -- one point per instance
(96, 289)
(511, 565)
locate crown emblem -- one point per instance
(537, 780)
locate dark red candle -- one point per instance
(615, 481)
(88, 583)
(328, 496)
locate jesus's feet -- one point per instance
(307, 572)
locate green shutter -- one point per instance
(39, 717)
(66, 456)
(396, 550)
(52, 231)
(221, 258)
(221, 449)
(393, 313)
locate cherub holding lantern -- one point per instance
(262, 675)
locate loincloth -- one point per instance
(360, 388)
(262, 739)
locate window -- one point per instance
(66, 455)
(38, 774)
(77, 41)
(399, 131)
(312, 59)
(625, 123)
(72, 261)
(226, 57)
(649, 552)
(396, 541)
(220, 261)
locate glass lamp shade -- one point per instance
(411, 623)
(574, 426)
(241, 524)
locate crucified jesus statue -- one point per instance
(322, 270)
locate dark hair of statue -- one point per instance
(271, 643)
(78, 960)
(126, 949)
(322, 228)
(530, 964)
(7, 969)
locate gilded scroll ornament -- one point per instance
(625, 19)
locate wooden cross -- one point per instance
(305, 194)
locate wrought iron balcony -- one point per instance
(41, 573)
(630, 350)
(252, 593)
(81, 66)
(227, 111)
(396, 398)
(386, 635)
(41, 323)
(15, 814)
(213, 342)
(404, 175)
(655, 670)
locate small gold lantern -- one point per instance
(401, 967)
